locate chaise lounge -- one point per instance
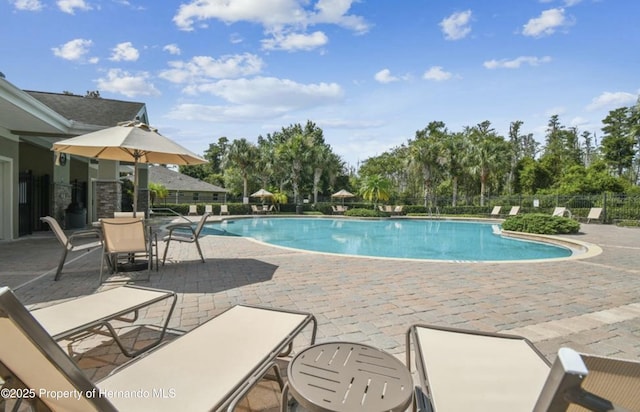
(211, 367)
(463, 370)
(98, 313)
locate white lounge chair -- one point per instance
(496, 211)
(514, 210)
(209, 368)
(224, 210)
(97, 312)
(463, 370)
(208, 209)
(72, 243)
(594, 214)
(193, 210)
(561, 211)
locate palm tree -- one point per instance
(295, 152)
(487, 155)
(243, 155)
(427, 154)
(157, 191)
(375, 188)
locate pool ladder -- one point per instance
(436, 215)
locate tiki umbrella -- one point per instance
(129, 142)
(343, 194)
(262, 194)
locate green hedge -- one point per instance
(541, 223)
(359, 212)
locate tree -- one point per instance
(488, 154)
(427, 154)
(618, 141)
(157, 191)
(375, 188)
(242, 155)
(295, 153)
(454, 145)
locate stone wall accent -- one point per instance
(108, 198)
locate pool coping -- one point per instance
(579, 249)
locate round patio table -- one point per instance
(346, 376)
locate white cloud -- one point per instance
(172, 49)
(270, 13)
(73, 50)
(546, 24)
(122, 82)
(437, 73)
(70, 6)
(385, 76)
(124, 52)
(613, 100)
(204, 68)
(456, 26)
(516, 63)
(219, 113)
(295, 41)
(257, 99)
(271, 91)
(28, 5)
(569, 3)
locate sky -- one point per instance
(370, 73)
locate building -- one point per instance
(185, 189)
(34, 181)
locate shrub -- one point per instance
(365, 213)
(541, 223)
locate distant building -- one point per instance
(185, 189)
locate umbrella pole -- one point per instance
(135, 187)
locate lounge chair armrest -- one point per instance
(181, 226)
(96, 233)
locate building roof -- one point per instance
(92, 110)
(175, 181)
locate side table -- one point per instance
(346, 376)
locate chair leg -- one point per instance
(199, 251)
(61, 264)
(166, 248)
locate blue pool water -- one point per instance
(415, 239)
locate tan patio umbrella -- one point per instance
(131, 141)
(342, 194)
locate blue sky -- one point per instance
(369, 72)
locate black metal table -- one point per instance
(345, 376)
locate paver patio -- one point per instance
(591, 305)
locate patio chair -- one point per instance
(211, 367)
(119, 215)
(594, 213)
(256, 210)
(514, 210)
(208, 209)
(398, 210)
(462, 370)
(496, 211)
(97, 312)
(193, 210)
(224, 210)
(184, 233)
(72, 243)
(128, 237)
(594, 382)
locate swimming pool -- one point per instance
(394, 238)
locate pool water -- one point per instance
(406, 238)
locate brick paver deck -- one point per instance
(591, 305)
